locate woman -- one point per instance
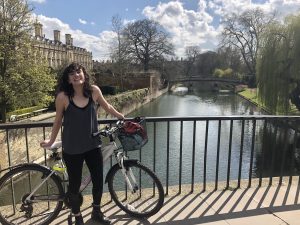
(76, 105)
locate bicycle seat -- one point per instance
(56, 145)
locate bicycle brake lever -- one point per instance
(96, 134)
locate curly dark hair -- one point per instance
(67, 88)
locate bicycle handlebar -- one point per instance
(106, 132)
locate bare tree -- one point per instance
(117, 53)
(146, 41)
(191, 52)
(244, 32)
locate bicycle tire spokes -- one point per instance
(14, 189)
(144, 200)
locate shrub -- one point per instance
(218, 73)
(24, 110)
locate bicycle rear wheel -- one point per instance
(15, 187)
(148, 195)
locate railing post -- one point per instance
(193, 156)
(180, 156)
(241, 153)
(252, 151)
(218, 155)
(168, 157)
(229, 155)
(205, 156)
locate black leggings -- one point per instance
(74, 163)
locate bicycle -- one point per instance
(132, 186)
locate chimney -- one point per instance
(56, 35)
(38, 27)
(68, 39)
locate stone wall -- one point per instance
(131, 81)
(132, 100)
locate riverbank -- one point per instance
(250, 94)
(124, 102)
(130, 101)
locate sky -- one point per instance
(187, 22)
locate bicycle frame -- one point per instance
(125, 172)
(107, 150)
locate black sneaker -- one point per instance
(98, 216)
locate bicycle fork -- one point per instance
(128, 175)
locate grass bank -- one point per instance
(250, 94)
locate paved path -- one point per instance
(274, 205)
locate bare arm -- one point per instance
(60, 106)
(106, 106)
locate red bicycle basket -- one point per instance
(133, 134)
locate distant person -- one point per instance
(76, 105)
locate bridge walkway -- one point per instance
(275, 205)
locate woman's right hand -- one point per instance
(46, 143)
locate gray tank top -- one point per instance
(78, 126)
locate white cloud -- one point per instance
(283, 7)
(186, 27)
(82, 21)
(125, 22)
(98, 45)
(38, 1)
(197, 27)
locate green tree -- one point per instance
(229, 57)
(278, 66)
(146, 41)
(23, 81)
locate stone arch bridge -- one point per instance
(206, 83)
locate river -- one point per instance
(206, 104)
(196, 104)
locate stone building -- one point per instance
(58, 53)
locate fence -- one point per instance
(191, 153)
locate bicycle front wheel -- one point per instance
(43, 206)
(147, 194)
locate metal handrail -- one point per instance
(226, 165)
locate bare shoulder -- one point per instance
(95, 88)
(96, 92)
(61, 96)
(62, 100)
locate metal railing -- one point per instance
(191, 152)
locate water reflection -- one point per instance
(279, 153)
(268, 154)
